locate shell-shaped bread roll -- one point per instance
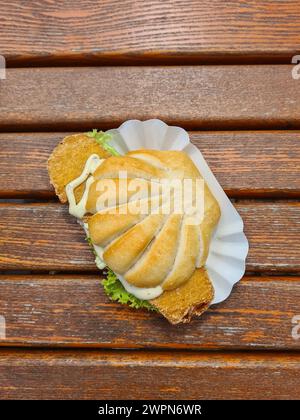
(152, 249)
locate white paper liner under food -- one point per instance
(229, 246)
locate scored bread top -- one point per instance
(147, 249)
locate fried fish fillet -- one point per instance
(191, 298)
(68, 159)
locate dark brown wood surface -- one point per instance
(232, 72)
(45, 237)
(149, 31)
(246, 163)
(72, 310)
(148, 375)
(206, 97)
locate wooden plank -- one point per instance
(46, 237)
(145, 375)
(206, 97)
(138, 32)
(275, 155)
(74, 311)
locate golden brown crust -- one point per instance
(157, 262)
(182, 165)
(122, 253)
(211, 217)
(179, 162)
(191, 298)
(186, 258)
(104, 226)
(134, 168)
(121, 192)
(68, 159)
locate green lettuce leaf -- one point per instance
(116, 292)
(103, 139)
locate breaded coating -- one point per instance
(191, 298)
(68, 159)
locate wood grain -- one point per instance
(71, 310)
(203, 97)
(142, 31)
(275, 155)
(43, 310)
(146, 375)
(46, 237)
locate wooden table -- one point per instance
(223, 72)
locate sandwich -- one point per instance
(148, 216)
